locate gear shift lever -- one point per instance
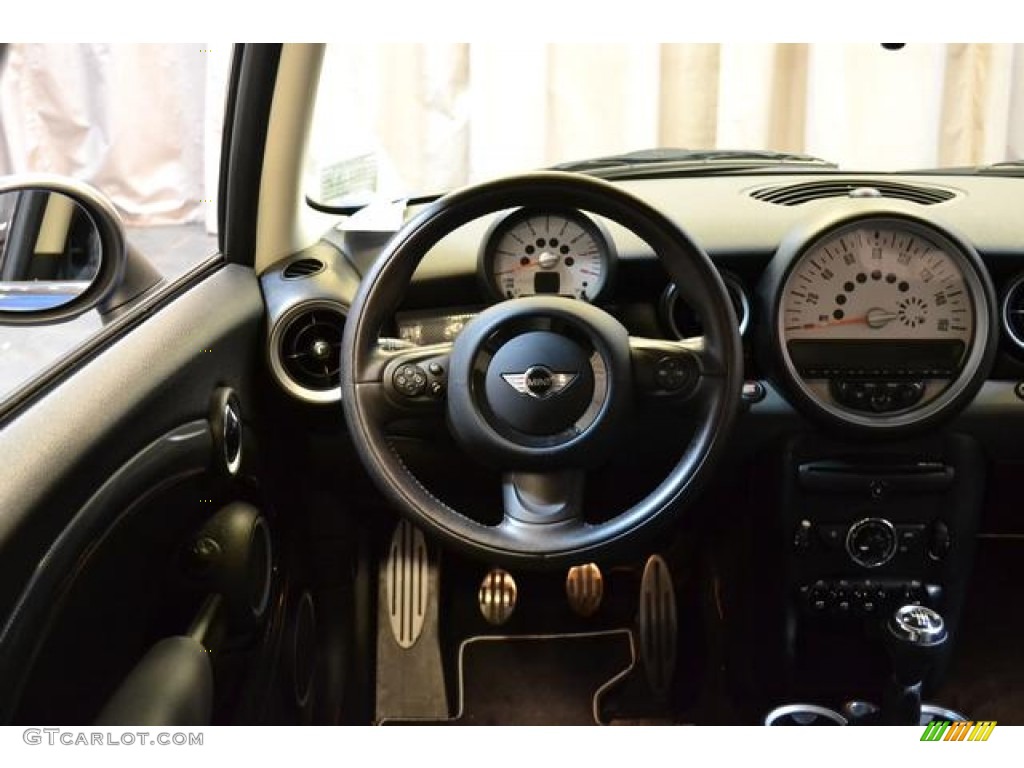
(914, 637)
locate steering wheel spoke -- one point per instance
(400, 381)
(672, 371)
(543, 498)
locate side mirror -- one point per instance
(62, 250)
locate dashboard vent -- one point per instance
(797, 194)
(303, 268)
(306, 351)
(1013, 312)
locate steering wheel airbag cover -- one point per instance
(513, 430)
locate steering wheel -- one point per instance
(540, 387)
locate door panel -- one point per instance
(105, 476)
(88, 578)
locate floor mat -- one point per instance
(539, 679)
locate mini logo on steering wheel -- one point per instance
(539, 381)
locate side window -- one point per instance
(141, 123)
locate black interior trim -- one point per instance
(230, 104)
(243, 169)
(185, 450)
(172, 686)
(152, 303)
(63, 446)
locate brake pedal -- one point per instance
(584, 587)
(657, 625)
(497, 596)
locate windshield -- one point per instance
(396, 120)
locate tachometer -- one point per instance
(532, 252)
(882, 321)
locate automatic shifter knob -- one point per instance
(915, 636)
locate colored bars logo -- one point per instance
(943, 730)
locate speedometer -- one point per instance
(882, 321)
(532, 252)
(878, 281)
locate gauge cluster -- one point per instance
(881, 322)
(533, 252)
(867, 315)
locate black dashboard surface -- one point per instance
(741, 221)
(742, 233)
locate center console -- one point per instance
(867, 528)
(915, 637)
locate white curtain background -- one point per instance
(130, 119)
(142, 122)
(447, 114)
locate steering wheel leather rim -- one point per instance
(554, 543)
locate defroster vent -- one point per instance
(805, 192)
(303, 268)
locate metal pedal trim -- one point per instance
(407, 578)
(657, 625)
(584, 588)
(497, 596)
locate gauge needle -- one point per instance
(516, 268)
(875, 318)
(546, 260)
(879, 318)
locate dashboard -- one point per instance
(868, 303)
(882, 325)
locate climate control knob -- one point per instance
(871, 542)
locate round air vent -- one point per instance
(303, 268)
(305, 351)
(683, 321)
(1013, 312)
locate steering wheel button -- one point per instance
(673, 374)
(409, 380)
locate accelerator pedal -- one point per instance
(410, 676)
(657, 625)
